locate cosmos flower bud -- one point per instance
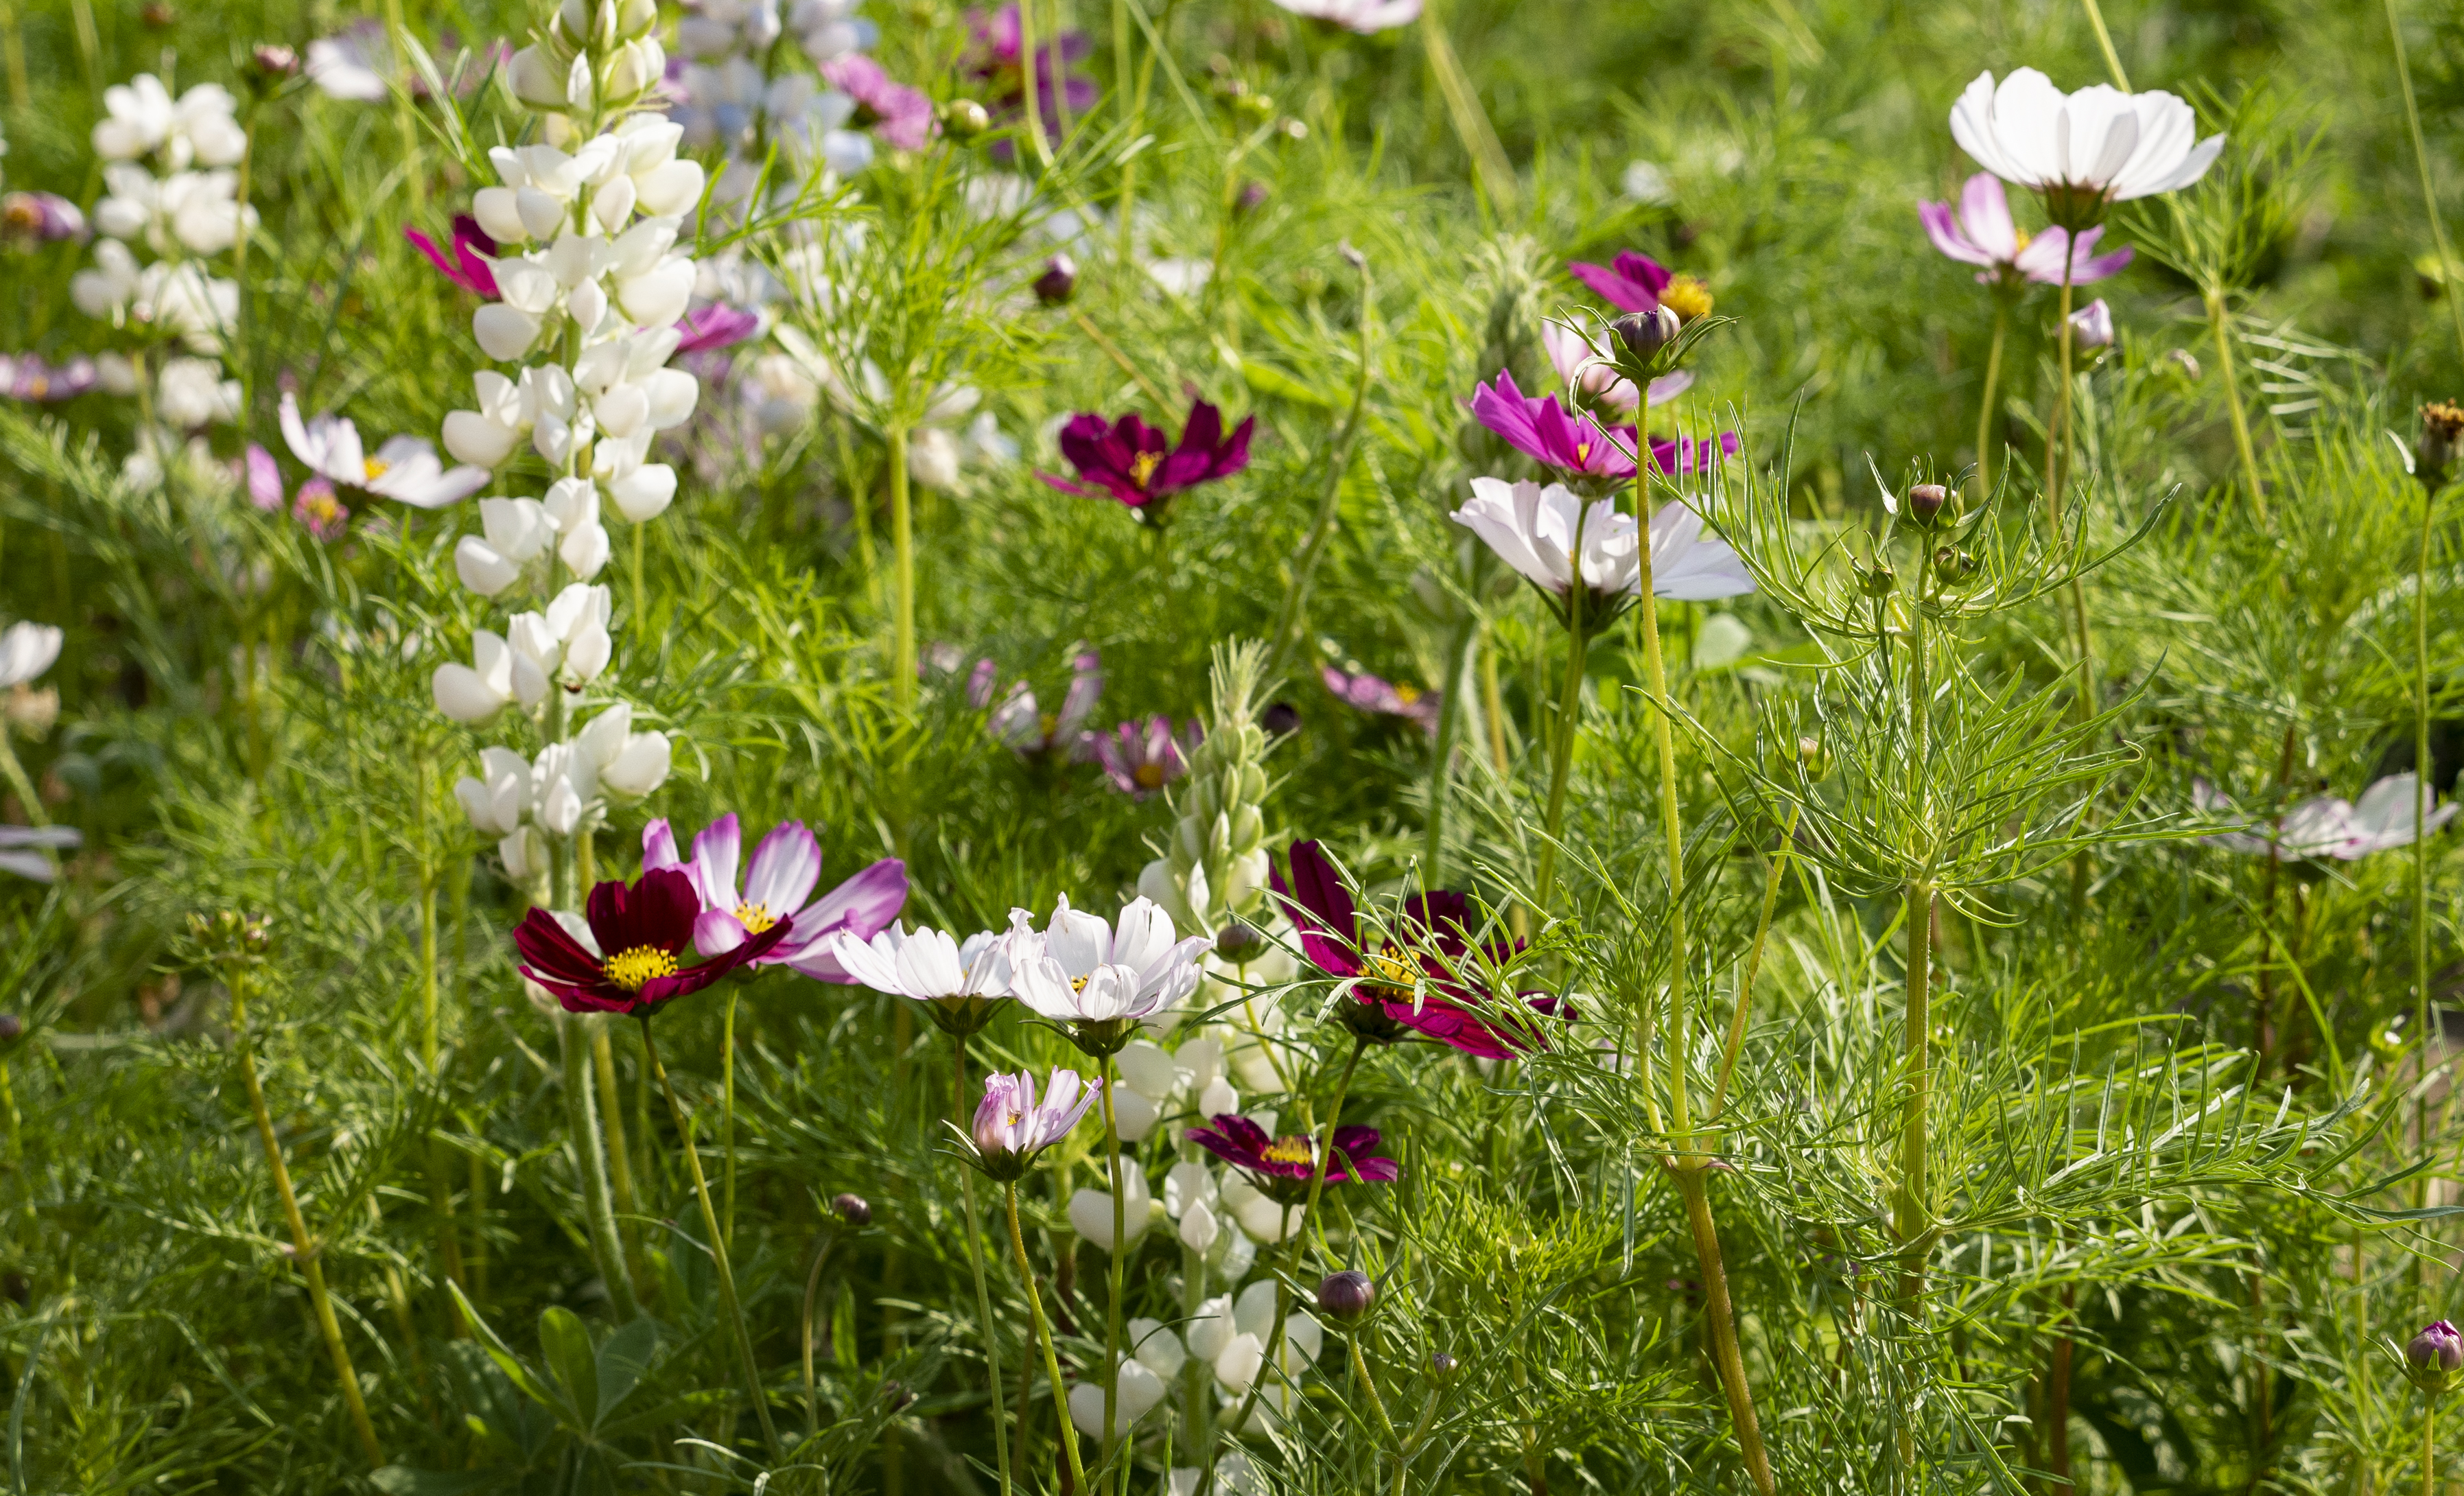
(1952, 565)
(2442, 423)
(965, 119)
(1645, 333)
(11, 1027)
(1816, 758)
(2432, 1357)
(1442, 1367)
(274, 61)
(1253, 196)
(1346, 1295)
(1880, 580)
(1058, 282)
(1925, 501)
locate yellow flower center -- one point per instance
(1290, 1150)
(1687, 296)
(1049, 722)
(39, 386)
(1078, 984)
(2022, 236)
(375, 467)
(1582, 452)
(755, 917)
(1149, 776)
(322, 509)
(637, 968)
(1407, 695)
(1143, 466)
(1389, 969)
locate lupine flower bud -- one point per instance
(2442, 423)
(1925, 501)
(1645, 333)
(965, 119)
(852, 1209)
(2432, 1357)
(1059, 280)
(1442, 1367)
(2092, 325)
(1346, 1295)
(1215, 864)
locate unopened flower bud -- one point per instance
(2185, 363)
(1952, 565)
(2442, 424)
(852, 1209)
(158, 15)
(1645, 333)
(1925, 501)
(1059, 280)
(2432, 1357)
(2092, 325)
(1880, 580)
(1253, 196)
(11, 1027)
(274, 61)
(1279, 718)
(1346, 1295)
(1816, 758)
(1442, 1367)
(965, 119)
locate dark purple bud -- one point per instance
(2437, 1350)
(1442, 1367)
(853, 1209)
(158, 15)
(273, 59)
(1346, 1295)
(896, 1394)
(1238, 942)
(1253, 196)
(11, 1027)
(1645, 333)
(965, 119)
(1926, 501)
(1059, 280)
(1279, 718)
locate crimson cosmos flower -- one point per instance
(1397, 991)
(1638, 283)
(1127, 459)
(1000, 62)
(1573, 442)
(624, 959)
(464, 268)
(1280, 1166)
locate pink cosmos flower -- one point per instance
(1384, 698)
(1011, 1127)
(467, 266)
(715, 325)
(901, 114)
(318, 508)
(778, 890)
(1128, 460)
(1983, 233)
(29, 377)
(1542, 431)
(1143, 758)
(1000, 63)
(2327, 826)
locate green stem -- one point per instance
(14, 773)
(1294, 610)
(1068, 1435)
(2220, 322)
(2429, 1446)
(727, 1118)
(1369, 1384)
(718, 1242)
(1754, 966)
(1561, 751)
(812, 1297)
(2423, 788)
(1985, 406)
(1026, 78)
(902, 539)
(1725, 1350)
(1120, 1250)
(581, 1125)
(2105, 43)
(304, 1247)
(975, 1267)
(2058, 441)
(1432, 841)
(620, 1164)
(2449, 290)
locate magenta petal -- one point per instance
(1944, 231)
(864, 905)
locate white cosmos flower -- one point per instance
(198, 210)
(2099, 143)
(26, 652)
(1087, 973)
(193, 392)
(928, 965)
(1535, 530)
(141, 115)
(404, 469)
(1364, 16)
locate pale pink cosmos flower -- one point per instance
(778, 890)
(1011, 1126)
(2327, 826)
(1983, 233)
(1143, 758)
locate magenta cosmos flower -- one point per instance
(1983, 233)
(1399, 990)
(1638, 283)
(29, 377)
(901, 114)
(621, 957)
(1282, 1166)
(468, 264)
(1544, 432)
(715, 325)
(1382, 698)
(777, 890)
(1143, 758)
(1129, 460)
(1000, 63)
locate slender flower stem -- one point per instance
(1915, 1193)
(1433, 840)
(812, 1294)
(2220, 322)
(718, 1243)
(1294, 610)
(1120, 1250)
(902, 540)
(727, 1119)
(2424, 787)
(2429, 1445)
(581, 1125)
(2105, 43)
(1561, 752)
(304, 1247)
(2058, 442)
(1026, 78)
(1369, 1384)
(2447, 278)
(1068, 1435)
(975, 1267)
(1411, 1445)
(620, 1157)
(1985, 406)
(1689, 1163)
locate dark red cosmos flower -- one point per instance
(637, 931)
(1127, 458)
(1399, 991)
(465, 268)
(1281, 1166)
